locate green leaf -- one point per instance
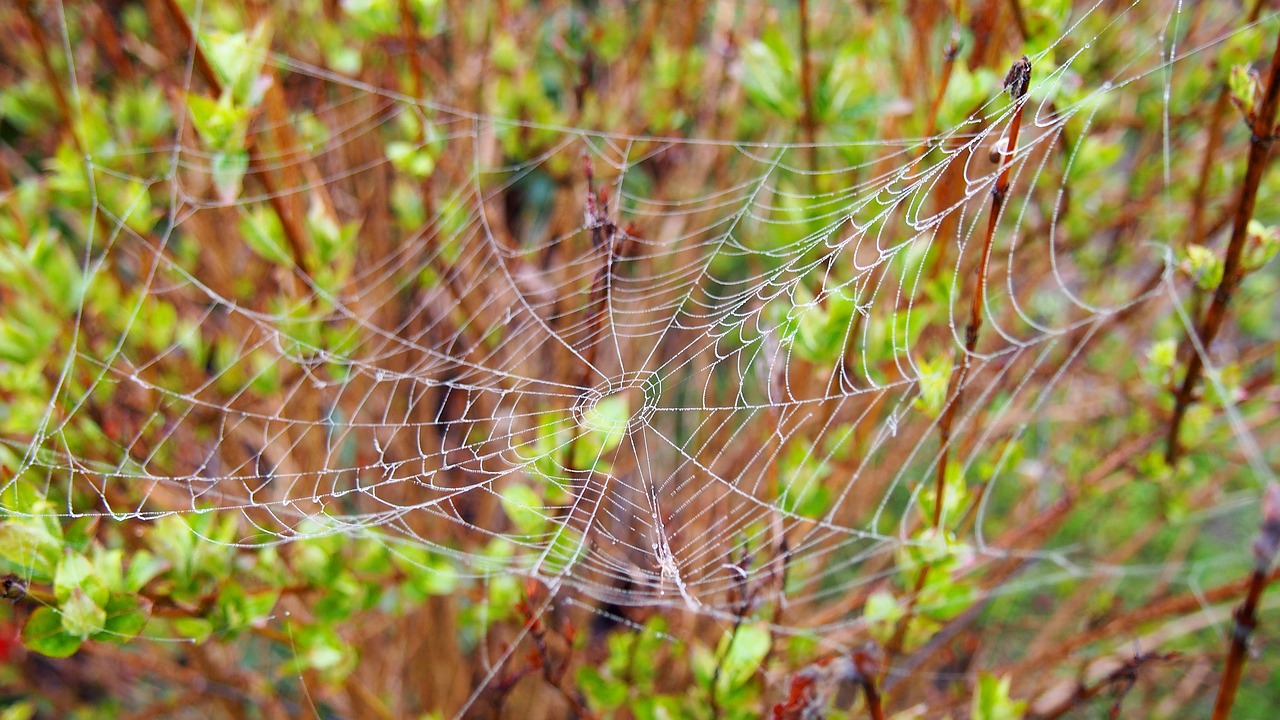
(79, 533)
(24, 710)
(1203, 266)
(198, 629)
(412, 159)
(1246, 88)
(228, 170)
(321, 649)
(768, 81)
(933, 380)
(28, 544)
(342, 597)
(992, 702)
(143, 567)
(606, 424)
(43, 633)
(522, 505)
(881, 613)
(75, 572)
(747, 649)
(1261, 245)
(605, 693)
(126, 616)
(265, 235)
(238, 59)
(824, 332)
(1162, 356)
(81, 616)
(219, 122)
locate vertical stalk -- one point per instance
(1246, 616)
(1016, 82)
(806, 86)
(1262, 121)
(294, 232)
(948, 67)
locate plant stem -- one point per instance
(1246, 616)
(1123, 678)
(869, 662)
(1017, 83)
(1261, 123)
(806, 85)
(948, 68)
(294, 233)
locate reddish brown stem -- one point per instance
(1122, 678)
(806, 85)
(1016, 82)
(1246, 616)
(948, 67)
(293, 231)
(1261, 122)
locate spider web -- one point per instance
(653, 370)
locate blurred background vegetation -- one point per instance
(255, 257)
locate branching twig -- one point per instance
(1122, 678)
(813, 688)
(552, 672)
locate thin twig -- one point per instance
(1017, 83)
(948, 68)
(1261, 122)
(1246, 616)
(1123, 678)
(742, 600)
(294, 233)
(806, 86)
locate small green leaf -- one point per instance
(992, 702)
(1262, 244)
(881, 613)
(228, 169)
(1162, 356)
(522, 504)
(143, 567)
(605, 693)
(321, 649)
(43, 633)
(79, 533)
(126, 616)
(219, 122)
(81, 616)
(265, 235)
(933, 380)
(24, 710)
(768, 81)
(607, 419)
(747, 649)
(1246, 88)
(198, 629)
(1203, 266)
(76, 573)
(29, 545)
